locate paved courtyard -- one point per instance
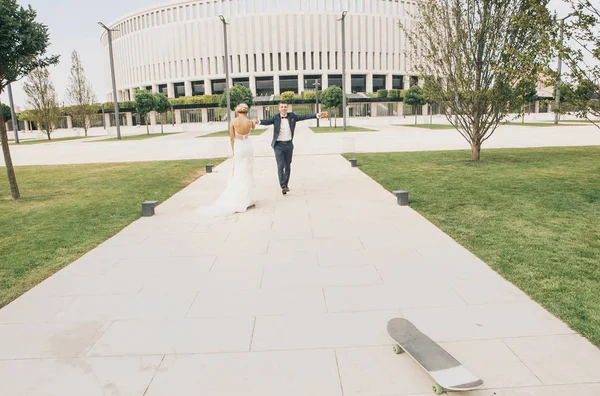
(291, 298)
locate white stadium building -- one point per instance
(274, 46)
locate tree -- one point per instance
(415, 97)
(80, 94)
(580, 50)
(144, 104)
(161, 105)
(42, 100)
(473, 52)
(332, 98)
(525, 93)
(23, 43)
(6, 112)
(238, 94)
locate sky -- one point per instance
(73, 25)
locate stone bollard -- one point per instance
(209, 168)
(148, 208)
(402, 197)
(353, 162)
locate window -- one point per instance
(271, 56)
(287, 60)
(263, 62)
(311, 80)
(397, 82)
(197, 88)
(359, 83)
(239, 63)
(335, 79)
(218, 86)
(279, 65)
(242, 81)
(179, 89)
(264, 86)
(378, 82)
(247, 64)
(288, 83)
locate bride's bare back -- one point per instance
(242, 125)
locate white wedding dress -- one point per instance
(238, 196)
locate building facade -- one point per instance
(274, 46)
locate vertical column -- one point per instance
(406, 82)
(27, 124)
(107, 119)
(170, 90)
(389, 82)
(188, 88)
(301, 83)
(204, 115)
(276, 88)
(373, 109)
(152, 115)
(252, 82)
(537, 106)
(370, 82)
(131, 93)
(154, 88)
(129, 117)
(69, 122)
(177, 116)
(324, 81)
(207, 87)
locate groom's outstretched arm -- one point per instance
(268, 121)
(311, 116)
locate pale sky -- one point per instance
(73, 26)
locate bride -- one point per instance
(238, 195)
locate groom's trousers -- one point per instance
(283, 155)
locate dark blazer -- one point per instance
(292, 119)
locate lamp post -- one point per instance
(13, 116)
(317, 84)
(112, 75)
(222, 18)
(344, 65)
(559, 67)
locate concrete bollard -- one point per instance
(209, 168)
(148, 208)
(402, 197)
(353, 162)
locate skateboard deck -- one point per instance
(447, 372)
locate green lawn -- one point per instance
(254, 132)
(137, 137)
(532, 214)
(340, 129)
(40, 141)
(68, 210)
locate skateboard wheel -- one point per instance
(398, 349)
(438, 390)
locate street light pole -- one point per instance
(226, 72)
(344, 66)
(559, 67)
(13, 116)
(317, 84)
(112, 75)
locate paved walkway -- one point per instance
(291, 298)
(388, 138)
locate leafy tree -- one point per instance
(525, 92)
(332, 98)
(474, 52)
(288, 95)
(6, 112)
(144, 104)
(581, 54)
(238, 94)
(42, 100)
(23, 44)
(80, 94)
(415, 97)
(161, 105)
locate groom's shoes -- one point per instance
(285, 190)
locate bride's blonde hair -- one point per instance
(242, 108)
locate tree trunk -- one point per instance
(415, 118)
(147, 127)
(10, 170)
(48, 134)
(161, 125)
(475, 151)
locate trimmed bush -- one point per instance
(394, 94)
(309, 95)
(288, 95)
(382, 93)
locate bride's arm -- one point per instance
(232, 137)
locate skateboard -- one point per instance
(447, 372)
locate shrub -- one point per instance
(382, 93)
(309, 95)
(394, 94)
(288, 95)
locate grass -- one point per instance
(68, 210)
(45, 140)
(532, 214)
(137, 137)
(253, 132)
(340, 129)
(527, 124)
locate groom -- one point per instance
(284, 125)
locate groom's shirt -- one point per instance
(285, 132)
